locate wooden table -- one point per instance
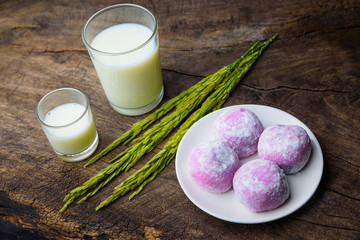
(311, 71)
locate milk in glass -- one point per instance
(75, 132)
(128, 65)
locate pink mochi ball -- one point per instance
(240, 129)
(261, 185)
(212, 166)
(289, 146)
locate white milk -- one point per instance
(68, 138)
(130, 79)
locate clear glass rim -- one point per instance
(58, 90)
(88, 45)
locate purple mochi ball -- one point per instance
(240, 129)
(261, 185)
(289, 146)
(212, 166)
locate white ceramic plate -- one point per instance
(226, 206)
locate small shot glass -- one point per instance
(65, 116)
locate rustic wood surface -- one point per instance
(311, 71)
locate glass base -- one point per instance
(82, 155)
(139, 111)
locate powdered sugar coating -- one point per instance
(261, 185)
(240, 129)
(212, 166)
(289, 146)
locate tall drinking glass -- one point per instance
(123, 43)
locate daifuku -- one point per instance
(261, 185)
(240, 129)
(289, 146)
(212, 166)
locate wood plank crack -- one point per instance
(280, 87)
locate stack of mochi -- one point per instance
(259, 184)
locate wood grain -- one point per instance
(311, 71)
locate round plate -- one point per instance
(226, 206)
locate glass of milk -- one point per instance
(65, 116)
(123, 43)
